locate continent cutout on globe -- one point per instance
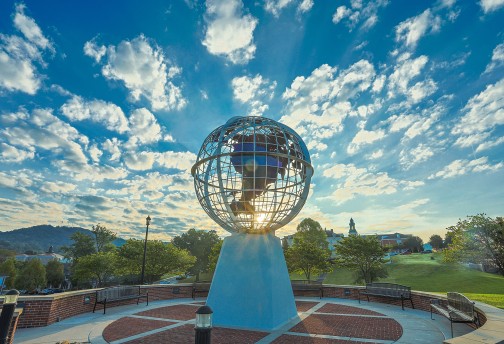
(252, 175)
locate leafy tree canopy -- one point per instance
(311, 231)
(478, 239)
(309, 253)
(214, 255)
(103, 238)
(436, 241)
(100, 266)
(55, 274)
(83, 245)
(363, 255)
(32, 276)
(199, 244)
(414, 243)
(160, 259)
(8, 268)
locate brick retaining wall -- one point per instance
(45, 310)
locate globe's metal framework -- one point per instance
(252, 175)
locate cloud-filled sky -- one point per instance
(104, 106)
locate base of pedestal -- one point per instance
(251, 286)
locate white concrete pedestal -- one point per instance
(251, 286)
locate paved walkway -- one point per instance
(328, 320)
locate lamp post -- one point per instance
(8, 307)
(147, 222)
(203, 326)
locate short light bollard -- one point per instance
(8, 308)
(203, 326)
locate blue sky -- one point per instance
(103, 108)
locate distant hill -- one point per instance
(39, 238)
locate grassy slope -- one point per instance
(422, 273)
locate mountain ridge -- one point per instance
(40, 237)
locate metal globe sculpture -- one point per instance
(252, 175)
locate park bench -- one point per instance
(389, 290)
(200, 287)
(457, 308)
(308, 286)
(118, 293)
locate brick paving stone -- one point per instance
(177, 312)
(341, 309)
(303, 306)
(127, 327)
(292, 339)
(350, 326)
(185, 334)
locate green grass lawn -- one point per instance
(422, 273)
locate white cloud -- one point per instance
(354, 181)
(91, 49)
(143, 161)
(10, 153)
(144, 127)
(405, 70)
(411, 30)
(143, 68)
(99, 111)
(95, 153)
(491, 5)
(18, 55)
(253, 91)
(376, 154)
(461, 167)
(497, 59)
(411, 157)
(229, 33)
(112, 146)
(357, 13)
(41, 130)
(489, 144)
(318, 104)
(471, 140)
(305, 6)
(30, 29)
(57, 187)
(483, 111)
(276, 6)
(364, 137)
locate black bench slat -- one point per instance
(306, 285)
(457, 309)
(200, 287)
(390, 290)
(119, 293)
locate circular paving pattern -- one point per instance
(319, 322)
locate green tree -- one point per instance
(8, 268)
(103, 238)
(307, 258)
(6, 254)
(312, 231)
(32, 276)
(309, 253)
(161, 259)
(436, 241)
(100, 266)
(83, 245)
(199, 244)
(413, 243)
(214, 255)
(363, 255)
(55, 274)
(477, 239)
